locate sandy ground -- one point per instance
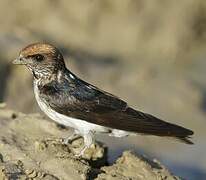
(31, 148)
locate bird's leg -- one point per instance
(88, 141)
(75, 134)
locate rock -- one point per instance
(129, 166)
(29, 150)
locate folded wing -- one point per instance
(86, 102)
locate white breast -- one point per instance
(80, 125)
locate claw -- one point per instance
(81, 153)
(65, 141)
(88, 141)
(70, 138)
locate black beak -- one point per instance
(19, 61)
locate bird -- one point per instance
(73, 102)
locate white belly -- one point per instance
(80, 125)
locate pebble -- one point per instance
(40, 145)
(31, 173)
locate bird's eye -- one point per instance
(39, 57)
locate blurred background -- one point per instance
(150, 53)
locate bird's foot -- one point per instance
(88, 141)
(81, 153)
(70, 138)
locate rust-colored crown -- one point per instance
(38, 48)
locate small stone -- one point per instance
(28, 171)
(40, 145)
(40, 175)
(20, 163)
(33, 174)
(100, 153)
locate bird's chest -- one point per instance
(59, 118)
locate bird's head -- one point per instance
(42, 59)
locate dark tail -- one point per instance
(185, 140)
(148, 124)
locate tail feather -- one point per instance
(148, 124)
(186, 140)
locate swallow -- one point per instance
(72, 102)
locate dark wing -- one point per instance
(81, 100)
